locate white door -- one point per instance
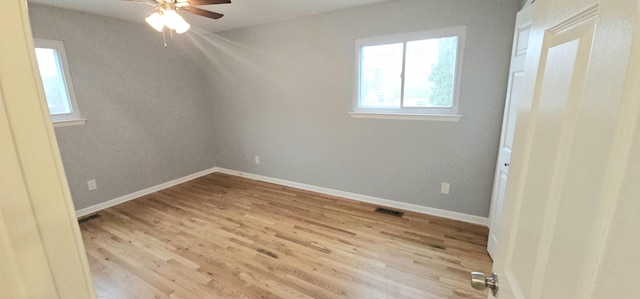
(514, 96)
(41, 251)
(571, 215)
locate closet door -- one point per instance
(514, 97)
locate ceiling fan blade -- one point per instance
(144, 2)
(202, 12)
(208, 2)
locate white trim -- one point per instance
(431, 117)
(143, 192)
(68, 123)
(364, 198)
(354, 196)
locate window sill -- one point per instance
(427, 117)
(68, 123)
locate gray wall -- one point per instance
(283, 91)
(144, 104)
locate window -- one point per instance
(409, 76)
(58, 89)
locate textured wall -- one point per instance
(283, 91)
(144, 104)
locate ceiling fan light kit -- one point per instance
(156, 21)
(166, 15)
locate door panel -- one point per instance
(556, 117)
(516, 89)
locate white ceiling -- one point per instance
(238, 14)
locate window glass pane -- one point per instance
(53, 81)
(380, 76)
(430, 68)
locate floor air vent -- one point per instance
(88, 218)
(389, 212)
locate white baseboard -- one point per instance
(143, 192)
(365, 198)
(359, 197)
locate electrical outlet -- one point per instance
(257, 159)
(92, 185)
(444, 188)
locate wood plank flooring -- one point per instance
(222, 236)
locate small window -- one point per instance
(415, 76)
(58, 89)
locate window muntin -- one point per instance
(417, 73)
(56, 80)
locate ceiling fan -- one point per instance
(166, 14)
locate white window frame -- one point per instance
(426, 113)
(65, 119)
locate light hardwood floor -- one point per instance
(222, 236)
